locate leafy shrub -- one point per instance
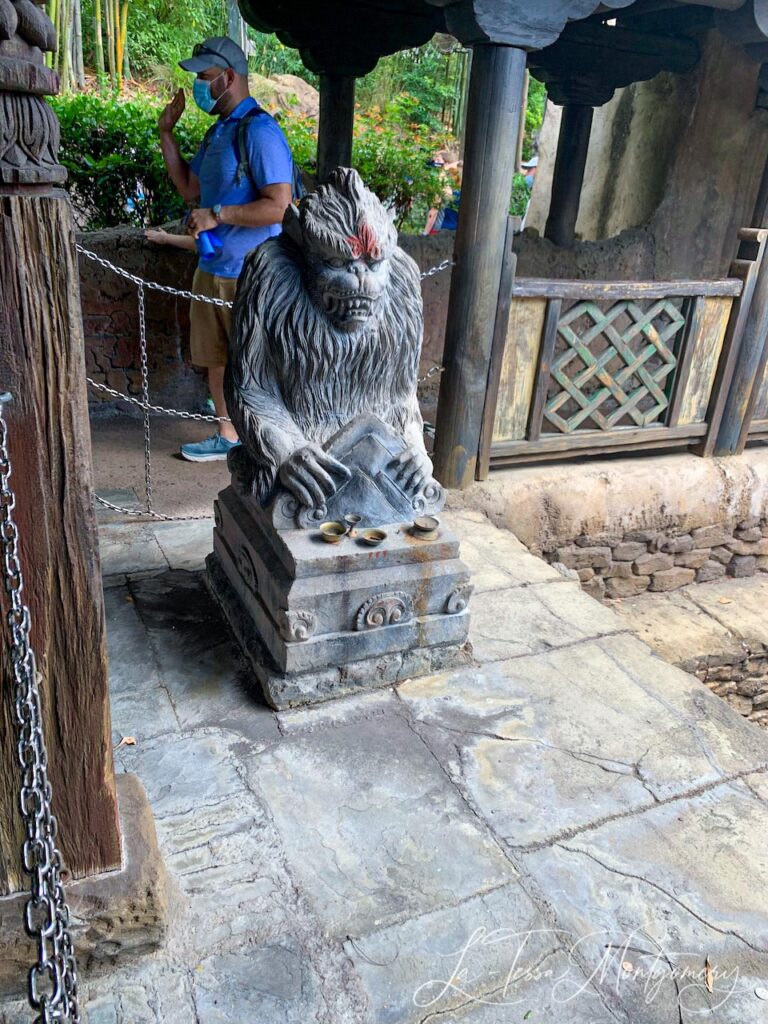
(112, 153)
(521, 193)
(111, 150)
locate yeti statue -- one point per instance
(327, 334)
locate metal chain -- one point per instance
(157, 408)
(52, 979)
(145, 397)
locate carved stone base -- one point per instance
(318, 620)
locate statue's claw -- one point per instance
(307, 475)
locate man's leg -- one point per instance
(216, 387)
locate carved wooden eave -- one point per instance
(340, 37)
(529, 25)
(590, 61)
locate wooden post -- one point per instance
(42, 365)
(489, 159)
(751, 359)
(337, 115)
(568, 175)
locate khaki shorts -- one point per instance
(210, 325)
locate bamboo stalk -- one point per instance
(121, 36)
(65, 45)
(77, 45)
(110, 11)
(98, 42)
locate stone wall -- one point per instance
(680, 156)
(739, 678)
(614, 565)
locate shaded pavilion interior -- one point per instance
(584, 51)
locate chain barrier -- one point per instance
(146, 406)
(52, 979)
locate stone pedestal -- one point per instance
(319, 620)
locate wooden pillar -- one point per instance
(750, 367)
(493, 115)
(337, 115)
(42, 365)
(568, 175)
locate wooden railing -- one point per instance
(586, 367)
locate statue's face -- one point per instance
(348, 289)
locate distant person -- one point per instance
(242, 176)
(446, 217)
(529, 168)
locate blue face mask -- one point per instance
(201, 94)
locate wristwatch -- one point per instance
(216, 211)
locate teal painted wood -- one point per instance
(608, 370)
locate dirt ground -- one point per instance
(179, 487)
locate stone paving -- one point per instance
(566, 832)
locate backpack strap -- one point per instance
(244, 167)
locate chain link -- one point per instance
(52, 979)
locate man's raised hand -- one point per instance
(172, 112)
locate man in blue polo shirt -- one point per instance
(242, 181)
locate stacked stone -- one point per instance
(615, 565)
(741, 680)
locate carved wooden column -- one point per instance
(337, 116)
(493, 115)
(42, 365)
(568, 176)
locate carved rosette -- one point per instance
(430, 499)
(385, 610)
(459, 599)
(246, 566)
(299, 626)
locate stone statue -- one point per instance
(321, 385)
(327, 338)
(29, 131)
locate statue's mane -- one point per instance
(282, 336)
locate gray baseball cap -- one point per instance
(216, 52)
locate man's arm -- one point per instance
(267, 209)
(179, 171)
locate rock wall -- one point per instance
(615, 565)
(680, 156)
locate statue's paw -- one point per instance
(307, 475)
(412, 469)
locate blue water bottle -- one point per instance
(208, 244)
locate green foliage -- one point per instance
(521, 193)
(429, 75)
(270, 57)
(393, 156)
(112, 153)
(534, 114)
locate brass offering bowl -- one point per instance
(373, 537)
(332, 532)
(426, 527)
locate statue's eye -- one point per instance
(374, 264)
(335, 262)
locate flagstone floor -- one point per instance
(569, 831)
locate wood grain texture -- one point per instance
(500, 334)
(337, 114)
(492, 125)
(593, 442)
(518, 369)
(42, 365)
(705, 346)
(529, 287)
